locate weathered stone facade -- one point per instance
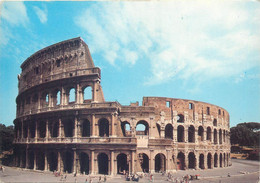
(63, 122)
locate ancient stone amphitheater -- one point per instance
(63, 122)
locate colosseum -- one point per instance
(63, 122)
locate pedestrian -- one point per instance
(105, 178)
(86, 181)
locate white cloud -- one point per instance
(15, 13)
(42, 14)
(191, 39)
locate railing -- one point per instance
(43, 79)
(80, 140)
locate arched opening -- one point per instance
(42, 129)
(122, 165)
(227, 159)
(191, 134)
(180, 118)
(103, 164)
(68, 127)
(54, 129)
(215, 123)
(87, 93)
(142, 128)
(158, 129)
(169, 131)
(220, 136)
(31, 160)
(160, 163)
(180, 133)
(209, 159)
(53, 161)
(40, 161)
(220, 160)
(25, 129)
(103, 125)
(57, 98)
(201, 133)
(67, 162)
(72, 97)
(209, 133)
(180, 161)
(84, 163)
(32, 129)
(215, 136)
(201, 164)
(224, 159)
(46, 100)
(144, 162)
(224, 136)
(125, 127)
(23, 157)
(192, 160)
(215, 160)
(85, 128)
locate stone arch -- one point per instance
(201, 133)
(201, 161)
(169, 131)
(215, 122)
(31, 160)
(67, 161)
(160, 163)
(45, 99)
(220, 136)
(68, 127)
(122, 164)
(158, 129)
(180, 133)
(102, 163)
(72, 95)
(85, 132)
(192, 160)
(142, 128)
(126, 128)
(103, 125)
(87, 93)
(180, 161)
(215, 160)
(42, 129)
(209, 160)
(224, 159)
(215, 136)
(191, 134)
(53, 161)
(54, 129)
(144, 162)
(57, 97)
(40, 163)
(84, 163)
(180, 118)
(209, 134)
(32, 128)
(220, 160)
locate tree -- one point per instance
(245, 134)
(6, 137)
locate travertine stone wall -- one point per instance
(63, 122)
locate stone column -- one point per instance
(27, 158)
(59, 161)
(92, 162)
(34, 161)
(112, 162)
(74, 161)
(39, 102)
(93, 124)
(94, 91)
(36, 131)
(196, 135)
(22, 135)
(45, 161)
(113, 116)
(186, 160)
(77, 94)
(47, 135)
(186, 133)
(62, 93)
(132, 162)
(151, 162)
(75, 127)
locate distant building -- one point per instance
(64, 123)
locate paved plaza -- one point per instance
(241, 171)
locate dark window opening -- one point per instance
(84, 163)
(86, 128)
(208, 111)
(103, 164)
(103, 128)
(180, 134)
(180, 118)
(144, 162)
(169, 131)
(191, 134)
(201, 162)
(192, 160)
(122, 165)
(180, 161)
(58, 63)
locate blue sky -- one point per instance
(201, 50)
